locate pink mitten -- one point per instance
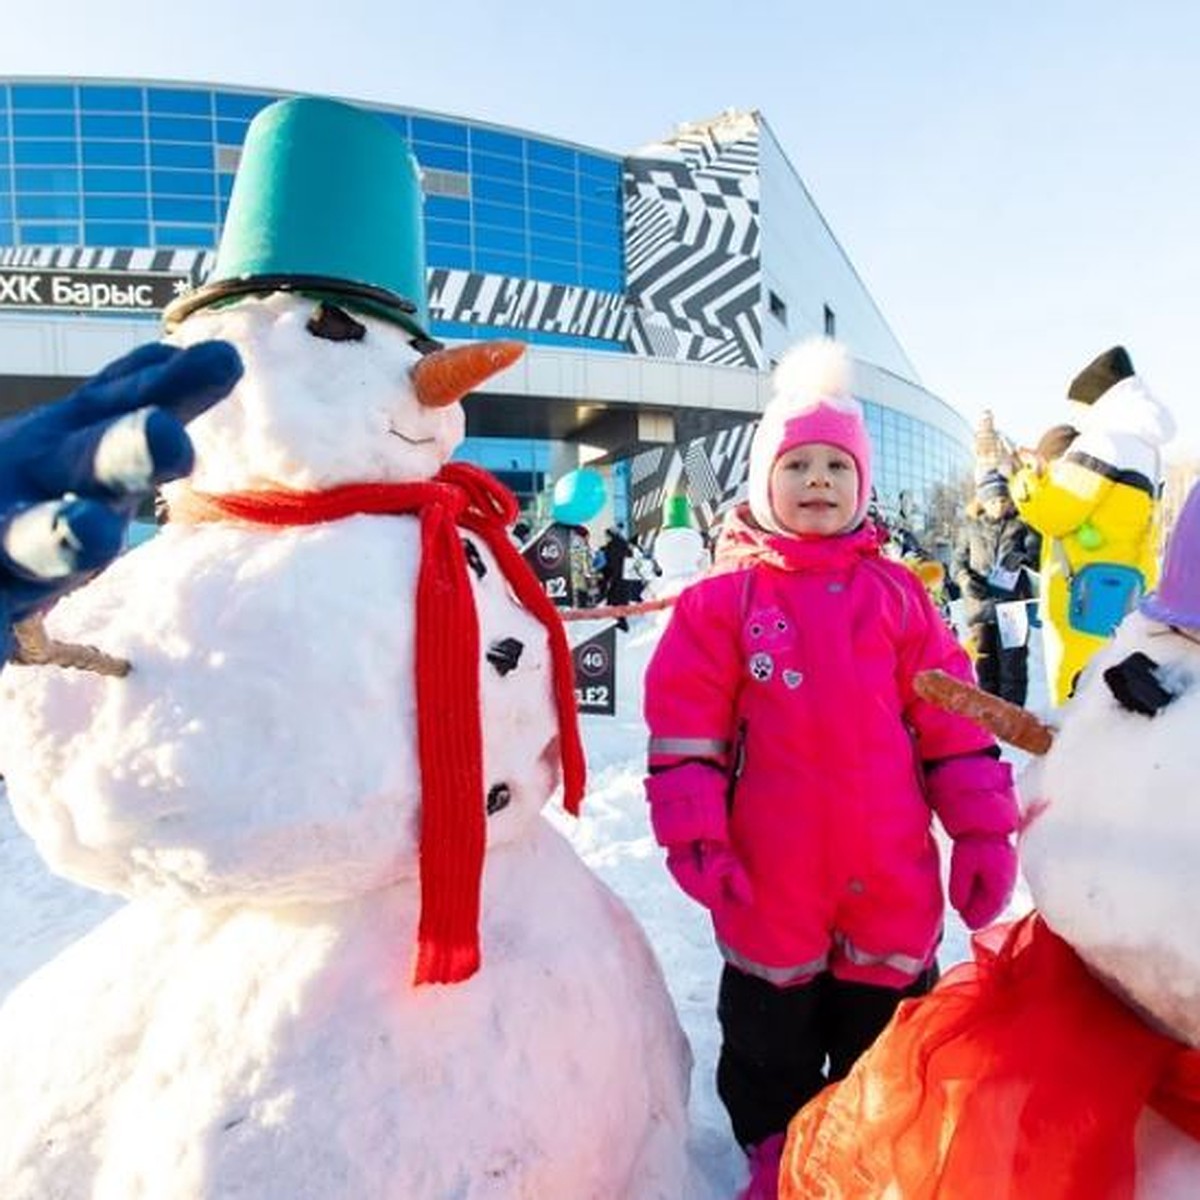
(983, 871)
(710, 873)
(687, 804)
(973, 795)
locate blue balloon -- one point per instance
(579, 496)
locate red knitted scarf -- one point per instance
(449, 735)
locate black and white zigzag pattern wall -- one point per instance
(476, 299)
(463, 296)
(193, 263)
(711, 471)
(692, 246)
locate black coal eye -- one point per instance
(1135, 684)
(781, 624)
(756, 631)
(334, 324)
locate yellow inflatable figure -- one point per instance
(1096, 507)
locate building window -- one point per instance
(830, 322)
(437, 182)
(778, 308)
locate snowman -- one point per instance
(679, 548)
(1064, 1062)
(355, 961)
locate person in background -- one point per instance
(793, 769)
(613, 555)
(610, 562)
(994, 554)
(73, 473)
(585, 579)
(1096, 506)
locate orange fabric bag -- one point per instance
(1021, 1077)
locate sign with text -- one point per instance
(42, 289)
(549, 554)
(596, 673)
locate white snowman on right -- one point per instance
(1111, 844)
(1064, 1063)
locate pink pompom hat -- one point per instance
(811, 401)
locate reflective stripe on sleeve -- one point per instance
(688, 747)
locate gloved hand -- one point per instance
(688, 816)
(983, 872)
(972, 584)
(710, 873)
(973, 797)
(73, 473)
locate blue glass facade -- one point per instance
(521, 464)
(133, 166)
(911, 455)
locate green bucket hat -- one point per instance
(326, 202)
(677, 513)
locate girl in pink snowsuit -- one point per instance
(794, 771)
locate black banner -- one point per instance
(596, 673)
(549, 554)
(47, 289)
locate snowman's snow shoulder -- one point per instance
(298, 780)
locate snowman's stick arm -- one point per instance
(34, 647)
(1009, 722)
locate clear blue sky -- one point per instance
(1018, 184)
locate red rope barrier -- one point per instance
(615, 611)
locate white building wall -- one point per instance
(77, 346)
(803, 264)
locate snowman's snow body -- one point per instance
(1110, 849)
(681, 557)
(246, 1025)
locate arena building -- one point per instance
(654, 288)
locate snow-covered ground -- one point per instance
(41, 914)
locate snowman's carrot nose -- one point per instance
(1009, 722)
(445, 376)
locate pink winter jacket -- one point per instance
(790, 668)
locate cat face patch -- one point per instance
(768, 629)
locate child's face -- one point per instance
(814, 489)
(995, 507)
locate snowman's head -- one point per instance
(1111, 839)
(329, 396)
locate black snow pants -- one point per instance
(1002, 672)
(777, 1042)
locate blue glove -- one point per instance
(73, 473)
